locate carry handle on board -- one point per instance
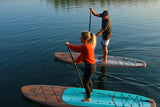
(75, 66)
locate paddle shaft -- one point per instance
(75, 66)
(90, 21)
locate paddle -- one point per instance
(75, 66)
(90, 21)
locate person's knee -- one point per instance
(85, 83)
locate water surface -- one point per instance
(31, 31)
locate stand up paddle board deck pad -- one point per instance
(112, 61)
(71, 97)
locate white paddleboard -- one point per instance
(112, 61)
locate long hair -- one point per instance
(89, 37)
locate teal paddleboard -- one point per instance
(103, 98)
(61, 96)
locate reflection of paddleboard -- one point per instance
(71, 97)
(112, 61)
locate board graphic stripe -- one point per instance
(113, 100)
(43, 93)
(55, 94)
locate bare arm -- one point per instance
(100, 32)
(93, 12)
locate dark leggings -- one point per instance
(87, 78)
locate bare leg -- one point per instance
(101, 56)
(105, 52)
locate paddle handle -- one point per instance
(75, 66)
(90, 21)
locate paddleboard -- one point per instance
(112, 61)
(71, 97)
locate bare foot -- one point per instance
(103, 61)
(101, 56)
(86, 100)
(85, 92)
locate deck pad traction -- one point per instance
(103, 98)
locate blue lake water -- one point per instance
(31, 31)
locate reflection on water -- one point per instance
(101, 83)
(70, 3)
(80, 3)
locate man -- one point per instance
(106, 32)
